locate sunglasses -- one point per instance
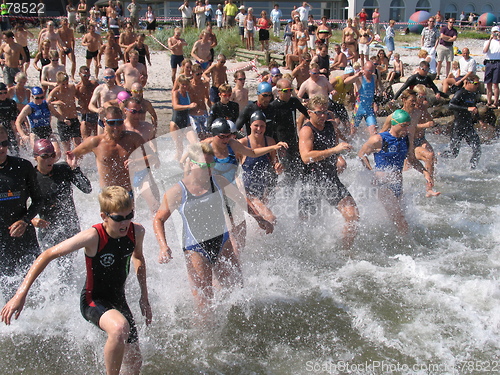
(313, 73)
(133, 111)
(116, 122)
(109, 77)
(240, 79)
(319, 113)
(5, 143)
(198, 74)
(120, 218)
(39, 97)
(224, 136)
(204, 165)
(285, 90)
(267, 95)
(137, 91)
(48, 156)
(474, 82)
(225, 95)
(85, 75)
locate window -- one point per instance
(423, 5)
(450, 11)
(370, 6)
(469, 8)
(397, 10)
(487, 8)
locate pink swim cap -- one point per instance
(122, 96)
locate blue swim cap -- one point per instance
(264, 87)
(257, 115)
(36, 91)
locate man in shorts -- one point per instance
(109, 248)
(176, 45)
(84, 90)
(445, 48)
(93, 42)
(11, 51)
(68, 39)
(63, 98)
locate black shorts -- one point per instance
(492, 71)
(263, 34)
(181, 118)
(90, 55)
(66, 132)
(42, 131)
(67, 51)
(93, 313)
(176, 60)
(91, 117)
(18, 253)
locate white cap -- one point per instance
(495, 28)
(242, 7)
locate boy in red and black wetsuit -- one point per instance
(109, 247)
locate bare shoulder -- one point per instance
(139, 230)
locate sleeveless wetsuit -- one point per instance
(39, 119)
(142, 54)
(364, 104)
(204, 223)
(258, 176)
(227, 166)
(391, 158)
(107, 272)
(321, 179)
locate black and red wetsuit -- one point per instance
(107, 272)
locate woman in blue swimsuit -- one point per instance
(200, 198)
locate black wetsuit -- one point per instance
(418, 79)
(320, 178)
(244, 118)
(229, 111)
(463, 126)
(17, 184)
(324, 63)
(285, 130)
(107, 272)
(8, 113)
(58, 205)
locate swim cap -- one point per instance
(289, 21)
(3, 86)
(256, 116)
(221, 126)
(36, 91)
(232, 126)
(122, 96)
(275, 71)
(399, 117)
(348, 70)
(264, 87)
(43, 146)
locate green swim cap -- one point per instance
(400, 116)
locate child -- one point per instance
(109, 247)
(398, 71)
(224, 108)
(455, 70)
(240, 93)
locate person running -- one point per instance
(19, 245)
(201, 50)
(137, 91)
(14, 56)
(201, 198)
(63, 99)
(43, 55)
(109, 249)
(68, 40)
(319, 149)
(84, 91)
(112, 150)
(133, 72)
(38, 113)
(141, 48)
(58, 219)
(239, 93)
(19, 93)
(93, 42)
(264, 97)
(21, 35)
(199, 94)
(463, 105)
(224, 108)
(342, 85)
(421, 78)
(366, 85)
(218, 72)
(176, 45)
(260, 174)
(111, 51)
(48, 79)
(390, 150)
(8, 116)
(284, 122)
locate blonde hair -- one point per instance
(197, 150)
(61, 77)
(317, 101)
(182, 79)
(225, 89)
(422, 53)
(115, 199)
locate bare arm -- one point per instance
(171, 201)
(306, 147)
(25, 112)
(373, 144)
(254, 153)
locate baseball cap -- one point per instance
(43, 146)
(241, 7)
(348, 70)
(495, 29)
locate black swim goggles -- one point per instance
(120, 218)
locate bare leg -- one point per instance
(349, 211)
(200, 278)
(426, 154)
(392, 205)
(132, 359)
(116, 326)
